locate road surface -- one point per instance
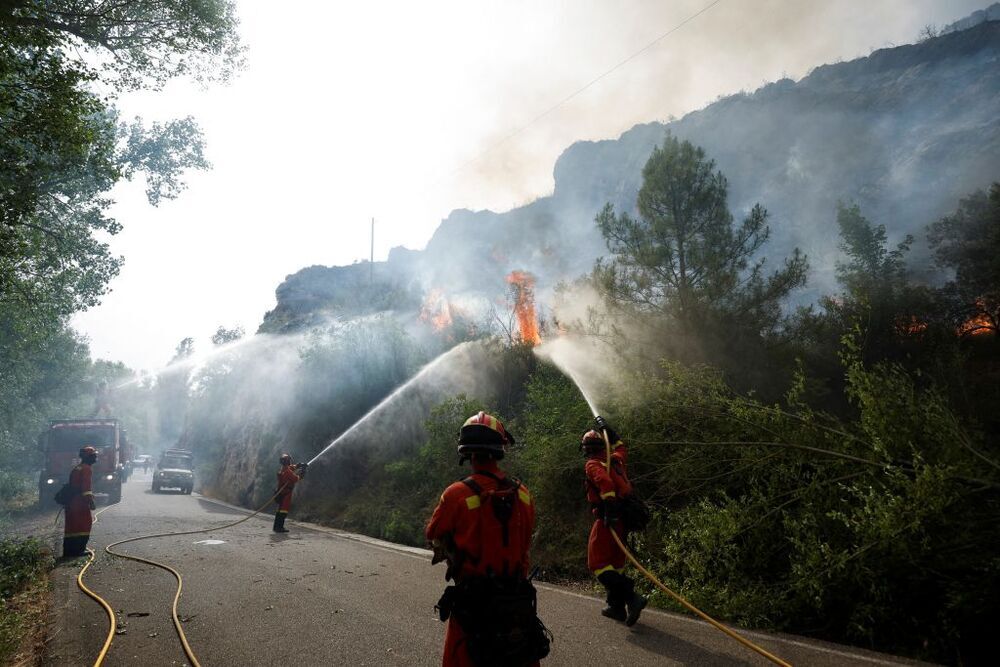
(323, 597)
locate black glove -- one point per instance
(611, 511)
(302, 468)
(603, 425)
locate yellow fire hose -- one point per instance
(687, 605)
(112, 621)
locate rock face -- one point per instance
(905, 133)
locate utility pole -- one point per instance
(371, 261)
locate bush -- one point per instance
(23, 563)
(15, 487)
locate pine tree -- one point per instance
(684, 257)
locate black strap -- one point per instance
(503, 481)
(474, 485)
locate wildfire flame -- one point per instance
(979, 324)
(911, 326)
(436, 310)
(523, 284)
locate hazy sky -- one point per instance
(352, 110)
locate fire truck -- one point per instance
(61, 443)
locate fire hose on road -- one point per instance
(112, 621)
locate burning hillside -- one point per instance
(436, 311)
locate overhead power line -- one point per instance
(579, 91)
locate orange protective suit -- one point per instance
(287, 479)
(462, 516)
(603, 554)
(78, 518)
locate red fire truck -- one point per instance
(61, 445)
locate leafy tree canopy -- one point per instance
(139, 43)
(63, 147)
(223, 335)
(683, 256)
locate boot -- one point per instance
(615, 613)
(635, 606)
(615, 609)
(279, 522)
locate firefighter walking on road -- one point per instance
(80, 503)
(482, 527)
(607, 492)
(288, 476)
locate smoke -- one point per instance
(732, 47)
(194, 362)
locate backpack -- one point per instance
(635, 513)
(66, 494)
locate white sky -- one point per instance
(352, 110)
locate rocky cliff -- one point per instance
(904, 132)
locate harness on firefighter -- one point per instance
(502, 499)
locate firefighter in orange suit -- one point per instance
(78, 517)
(482, 527)
(605, 491)
(288, 476)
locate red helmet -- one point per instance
(286, 459)
(483, 433)
(88, 454)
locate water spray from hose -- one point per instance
(389, 399)
(199, 359)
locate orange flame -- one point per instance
(436, 310)
(911, 326)
(978, 324)
(523, 284)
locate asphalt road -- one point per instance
(323, 597)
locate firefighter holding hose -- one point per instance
(288, 476)
(482, 527)
(610, 495)
(79, 503)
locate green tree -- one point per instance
(223, 335)
(967, 243)
(872, 272)
(685, 281)
(138, 42)
(684, 257)
(62, 146)
(62, 150)
(876, 289)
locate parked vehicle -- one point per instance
(174, 471)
